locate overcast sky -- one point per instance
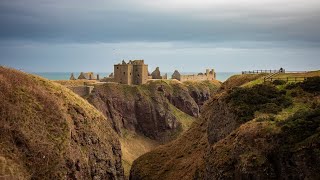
(188, 35)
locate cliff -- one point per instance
(158, 110)
(264, 131)
(48, 132)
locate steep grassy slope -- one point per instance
(258, 132)
(239, 80)
(278, 141)
(48, 132)
(269, 150)
(133, 146)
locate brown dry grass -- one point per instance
(78, 82)
(238, 80)
(245, 149)
(132, 147)
(44, 127)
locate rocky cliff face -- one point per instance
(149, 109)
(201, 92)
(48, 132)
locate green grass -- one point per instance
(287, 112)
(307, 74)
(264, 98)
(185, 119)
(253, 83)
(133, 146)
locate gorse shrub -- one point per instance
(301, 125)
(279, 82)
(270, 108)
(311, 84)
(292, 86)
(265, 98)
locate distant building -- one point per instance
(72, 77)
(209, 75)
(134, 72)
(87, 76)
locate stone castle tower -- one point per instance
(134, 72)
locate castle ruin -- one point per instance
(209, 75)
(135, 72)
(156, 74)
(132, 73)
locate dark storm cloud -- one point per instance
(92, 35)
(123, 21)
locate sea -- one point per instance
(221, 76)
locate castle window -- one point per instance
(138, 75)
(124, 72)
(130, 74)
(117, 67)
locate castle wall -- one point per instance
(209, 75)
(123, 73)
(140, 74)
(117, 73)
(108, 79)
(196, 77)
(133, 72)
(82, 90)
(144, 74)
